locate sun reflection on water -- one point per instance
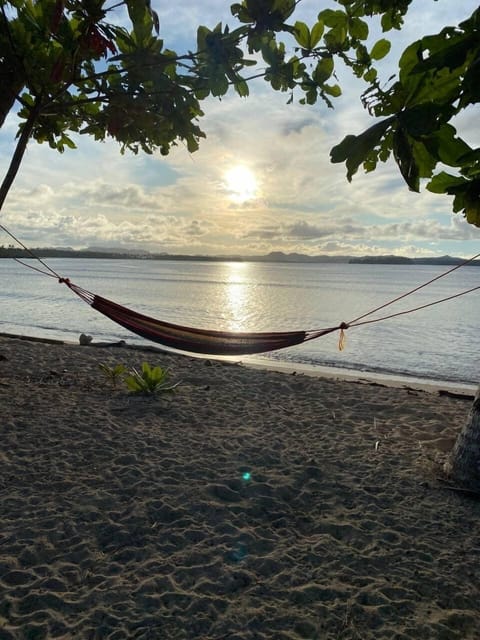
(237, 296)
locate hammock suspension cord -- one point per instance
(144, 326)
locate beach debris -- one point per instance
(84, 339)
(377, 445)
(469, 493)
(457, 395)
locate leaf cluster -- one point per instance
(336, 35)
(149, 380)
(435, 82)
(74, 70)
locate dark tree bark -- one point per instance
(463, 465)
(19, 151)
(11, 70)
(10, 89)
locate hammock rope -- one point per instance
(213, 342)
(421, 286)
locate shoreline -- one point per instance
(369, 377)
(318, 371)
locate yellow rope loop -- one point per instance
(342, 339)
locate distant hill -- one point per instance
(274, 256)
(117, 250)
(441, 260)
(279, 256)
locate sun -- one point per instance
(240, 184)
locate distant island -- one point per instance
(275, 256)
(440, 260)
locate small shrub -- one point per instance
(149, 380)
(114, 374)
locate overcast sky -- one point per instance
(262, 181)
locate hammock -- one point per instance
(226, 343)
(231, 343)
(219, 343)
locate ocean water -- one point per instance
(439, 343)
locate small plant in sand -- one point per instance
(114, 374)
(149, 380)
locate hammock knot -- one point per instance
(342, 339)
(64, 281)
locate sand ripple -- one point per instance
(248, 505)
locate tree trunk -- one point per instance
(463, 465)
(10, 90)
(19, 151)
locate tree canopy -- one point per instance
(72, 66)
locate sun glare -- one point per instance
(240, 184)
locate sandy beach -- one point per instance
(248, 504)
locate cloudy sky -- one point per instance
(262, 181)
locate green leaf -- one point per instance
(202, 33)
(403, 153)
(333, 90)
(241, 13)
(149, 380)
(380, 49)
(193, 143)
(311, 96)
(336, 39)
(68, 142)
(447, 147)
(370, 165)
(219, 86)
(420, 120)
(333, 18)
(358, 29)
(341, 151)
(141, 19)
(424, 160)
(444, 183)
(323, 70)
(386, 22)
(472, 214)
(316, 34)
(445, 49)
(355, 150)
(242, 89)
(302, 34)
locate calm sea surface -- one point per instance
(439, 343)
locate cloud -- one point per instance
(129, 196)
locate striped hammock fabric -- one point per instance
(190, 340)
